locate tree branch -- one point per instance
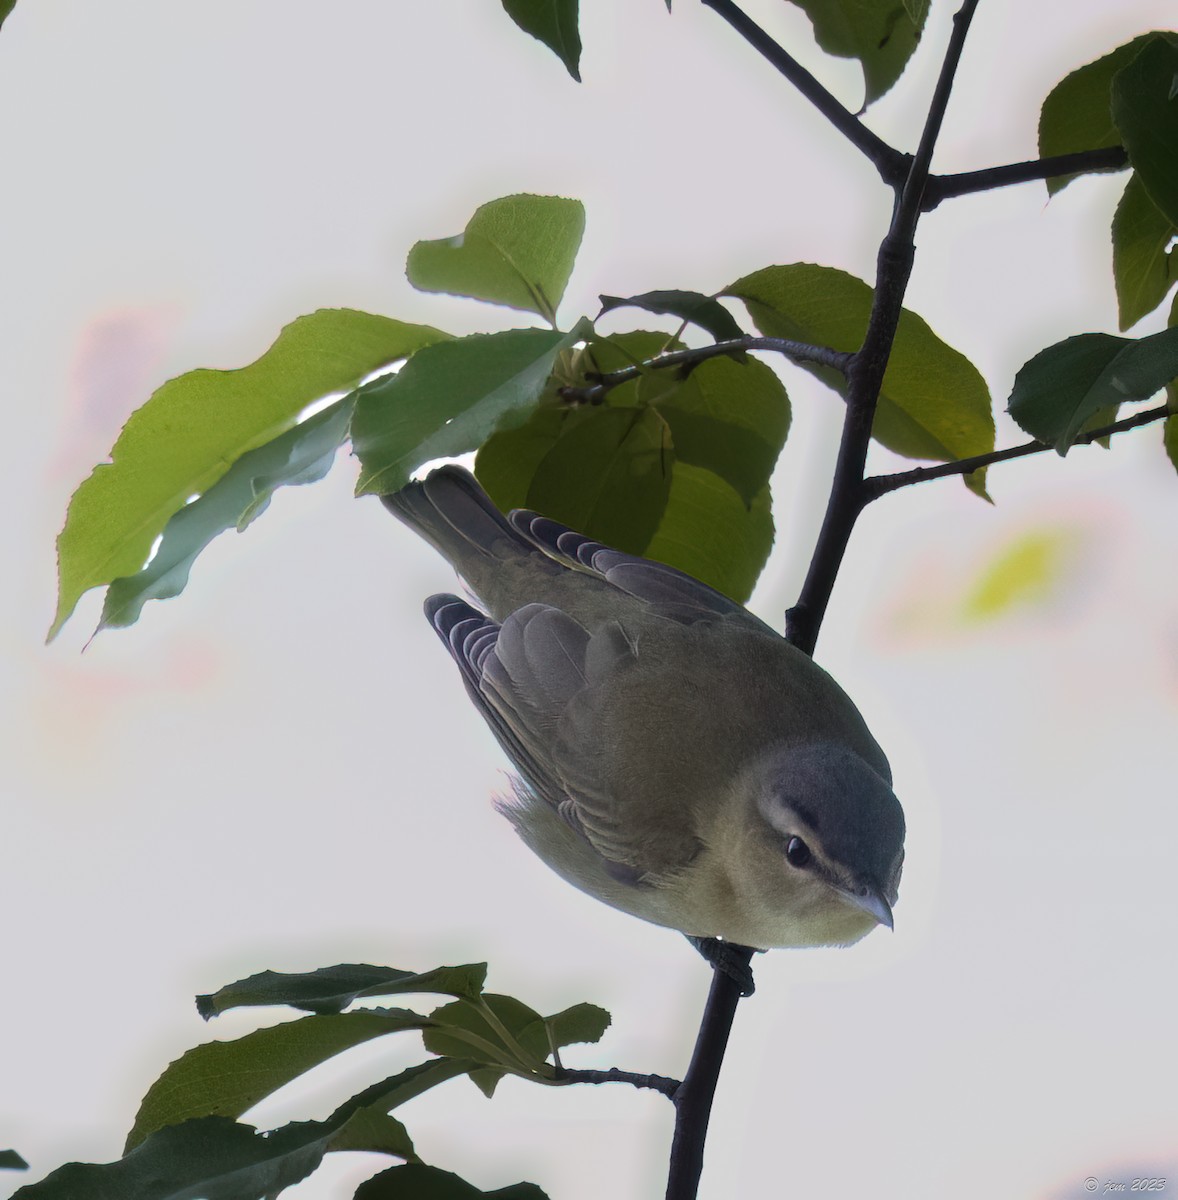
(889, 162)
(799, 352)
(880, 485)
(944, 187)
(659, 1083)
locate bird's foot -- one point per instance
(728, 958)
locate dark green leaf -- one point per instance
(416, 1181)
(705, 311)
(609, 472)
(1057, 391)
(1077, 114)
(376, 1133)
(518, 251)
(1145, 109)
(448, 404)
(226, 1079)
(1143, 266)
(301, 455)
(881, 34)
(332, 989)
(581, 1023)
(729, 417)
(933, 404)
(403, 1087)
(465, 1030)
(212, 1158)
(710, 533)
(186, 436)
(9, 1159)
(553, 22)
(6, 7)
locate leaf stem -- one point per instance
(658, 1083)
(798, 352)
(888, 161)
(881, 485)
(945, 187)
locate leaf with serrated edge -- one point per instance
(332, 989)
(448, 404)
(462, 1029)
(1061, 387)
(518, 251)
(193, 428)
(553, 22)
(1077, 113)
(226, 1079)
(933, 402)
(416, 1181)
(577, 1025)
(881, 34)
(1143, 267)
(1146, 114)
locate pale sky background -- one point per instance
(257, 775)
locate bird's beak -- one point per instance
(871, 900)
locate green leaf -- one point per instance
(1143, 266)
(1057, 391)
(301, 455)
(518, 251)
(1027, 572)
(449, 403)
(553, 22)
(705, 311)
(1077, 114)
(465, 1029)
(881, 34)
(186, 436)
(579, 1024)
(934, 404)
(9, 1159)
(416, 1181)
(212, 1158)
(1170, 439)
(708, 532)
(332, 989)
(226, 1079)
(1145, 110)
(6, 7)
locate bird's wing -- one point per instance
(539, 680)
(670, 592)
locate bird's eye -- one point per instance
(797, 852)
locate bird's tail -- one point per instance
(452, 512)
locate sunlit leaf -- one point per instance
(445, 404)
(1143, 266)
(881, 34)
(934, 403)
(226, 1079)
(518, 251)
(332, 989)
(553, 22)
(1145, 109)
(1026, 572)
(187, 435)
(1056, 392)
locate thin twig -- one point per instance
(798, 352)
(881, 485)
(888, 161)
(659, 1083)
(944, 187)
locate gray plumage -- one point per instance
(673, 749)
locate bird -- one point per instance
(677, 758)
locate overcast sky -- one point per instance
(280, 769)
